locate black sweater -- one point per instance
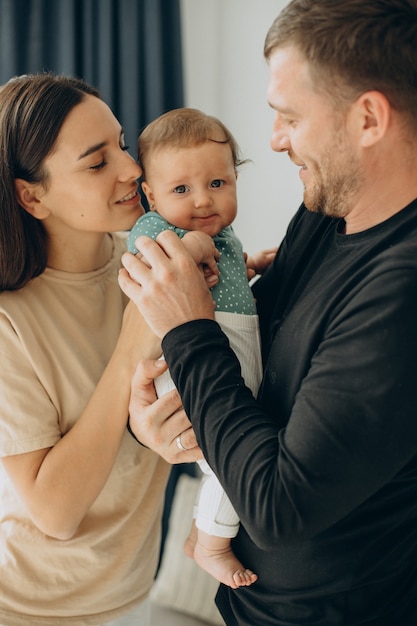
(322, 468)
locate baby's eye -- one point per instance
(217, 183)
(181, 189)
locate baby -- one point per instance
(189, 163)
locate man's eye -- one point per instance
(217, 183)
(125, 148)
(181, 189)
(99, 166)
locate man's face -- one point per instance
(315, 134)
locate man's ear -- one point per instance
(149, 195)
(374, 112)
(29, 197)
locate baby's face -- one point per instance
(193, 188)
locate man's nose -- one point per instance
(279, 141)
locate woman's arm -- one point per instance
(58, 485)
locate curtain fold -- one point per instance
(129, 49)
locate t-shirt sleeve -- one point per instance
(28, 417)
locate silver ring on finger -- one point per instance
(179, 444)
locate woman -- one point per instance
(80, 499)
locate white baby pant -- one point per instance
(213, 512)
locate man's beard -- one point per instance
(340, 181)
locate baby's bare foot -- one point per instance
(244, 578)
(222, 564)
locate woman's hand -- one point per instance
(158, 423)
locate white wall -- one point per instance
(226, 76)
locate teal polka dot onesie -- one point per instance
(232, 294)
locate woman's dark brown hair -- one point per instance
(32, 111)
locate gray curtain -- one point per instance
(129, 49)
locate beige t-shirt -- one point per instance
(56, 336)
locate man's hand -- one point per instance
(166, 285)
(157, 423)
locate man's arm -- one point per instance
(339, 447)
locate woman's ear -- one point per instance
(149, 195)
(29, 197)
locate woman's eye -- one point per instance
(103, 163)
(99, 166)
(181, 189)
(217, 183)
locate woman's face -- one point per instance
(92, 180)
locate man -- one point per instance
(322, 467)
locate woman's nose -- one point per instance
(130, 168)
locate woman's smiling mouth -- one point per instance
(130, 196)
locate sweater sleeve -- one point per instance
(234, 434)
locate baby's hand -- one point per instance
(205, 254)
(210, 263)
(259, 262)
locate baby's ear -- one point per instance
(149, 195)
(29, 196)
